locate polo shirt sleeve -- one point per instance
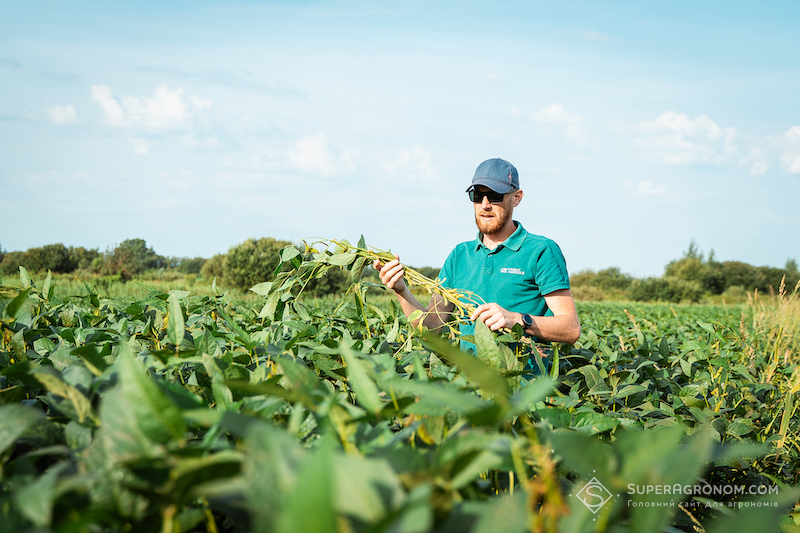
(551, 269)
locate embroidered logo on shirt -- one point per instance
(507, 270)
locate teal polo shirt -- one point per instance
(516, 275)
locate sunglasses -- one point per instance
(477, 196)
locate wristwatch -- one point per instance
(527, 321)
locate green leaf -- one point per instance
(488, 350)
(436, 397)
(155, 415)
(236, 328)
(593, 379)
(262, 289)
(594, 423)
(740, 427)
(15, 419)
(394, 331)
(358, 269)
(92, 358)
(175, 325)
(288, 253)
(532, 393)
(478, 371)
(47, 288)
(25, 278)
(14, 305)
(309, 506)
(627, 390)
(35, 500)
(81, 404)
(366, 489)
(271, 465)
(365, 389)
(342, 260)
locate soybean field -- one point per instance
(183, 413)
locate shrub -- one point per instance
(735, 293)
(191, 266)
(53, 257)
(334, 281)
(253, 261)
(588, 293)
(666, 289)
(132, 256)
(610, 279)
(11, 263)
(83, 258)
(214, 268)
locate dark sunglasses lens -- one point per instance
(477, 196)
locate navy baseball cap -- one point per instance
(497, 174)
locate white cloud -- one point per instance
(313, 154)
(571, 124)
(166, 110)
(411, 166)
(492, 76)
(191, 141)
(755, 160)
(115, 115)
(677, 139)
(759, 168)
(646, 188)
(790, 159)
(63, 114)
(140, 146)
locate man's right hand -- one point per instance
(391, 274)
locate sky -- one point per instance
(637, 127)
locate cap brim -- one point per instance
(495, 185)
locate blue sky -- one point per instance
(636, 126)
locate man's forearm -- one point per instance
(432, 318)
(559, 328)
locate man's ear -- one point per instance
(518, 197)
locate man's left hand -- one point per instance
(495, 317)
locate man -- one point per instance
(522, 277)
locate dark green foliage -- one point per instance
(666, 289)
(214, 267)
(253, 262)
(716, 277)
(333, 281)
(55, 257)
(186, 265)
(11, 263)
(132, 256)
(429, 272)
(185, 413)
(83, 258)
(610, 279)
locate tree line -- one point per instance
(127, 259)
(691, 278)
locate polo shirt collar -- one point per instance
(513, 242)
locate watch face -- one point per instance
(527, 320)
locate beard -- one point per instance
(493, 225)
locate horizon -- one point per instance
(636, 128)
(704, 256)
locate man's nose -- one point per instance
(485, 203)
